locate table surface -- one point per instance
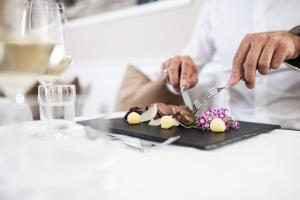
(76, 168)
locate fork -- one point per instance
(133, 143)
(207, 94)
(145, 145)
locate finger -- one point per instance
(251, 62)
(164, 70)
(281, 52)
(265, 59)
(174, 72)
(194, 80)
(187, 73)
(278, 58)
(239, 59)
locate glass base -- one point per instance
(57, 129)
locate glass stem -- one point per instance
(49, 112)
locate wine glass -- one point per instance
(43, 26)
(31, 46)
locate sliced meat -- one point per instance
(164, 109)
(182, 113)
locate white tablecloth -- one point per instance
(76, 168)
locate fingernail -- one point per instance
(249, 86)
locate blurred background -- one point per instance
(105, 36)
(143, 33)
(80, 8)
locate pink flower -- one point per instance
(225, 110)
(222, 115)
(201, 121)
(235, 124)
(207, 113)
(209, 119)
(216, 112)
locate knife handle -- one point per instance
(182, 89)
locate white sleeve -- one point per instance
(201, 44)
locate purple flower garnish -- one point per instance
(201, 121)
(216, 112)
(209, 119)
(225, 110)
(222, 115)
(208, 115)
(235, 124)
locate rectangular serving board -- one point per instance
(196, 138)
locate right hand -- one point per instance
(263, 52)
(180, 71)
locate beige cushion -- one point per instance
(138, 90)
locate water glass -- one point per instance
(57, 106)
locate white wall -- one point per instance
(152, 35)
(102, 50)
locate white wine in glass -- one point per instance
(21, 64)
(43, 23)
(34, 48)
(31, 46)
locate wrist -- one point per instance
(297, 46)
(296, 40)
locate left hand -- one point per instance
(263, 52)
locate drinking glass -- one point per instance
(43, 27)
(57, 106)
(31, 46)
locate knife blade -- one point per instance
(187, 99)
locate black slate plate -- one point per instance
(189, 137)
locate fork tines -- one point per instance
(197, 104)
(209, 93)
(205, 95)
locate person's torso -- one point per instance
(276, 97)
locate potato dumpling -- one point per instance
(217, 125)
(166, 122)
(134, 118)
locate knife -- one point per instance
(187, 99)
(288, 64)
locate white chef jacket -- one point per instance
(221, 26)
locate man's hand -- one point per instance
(263, 52)
(180, 71)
